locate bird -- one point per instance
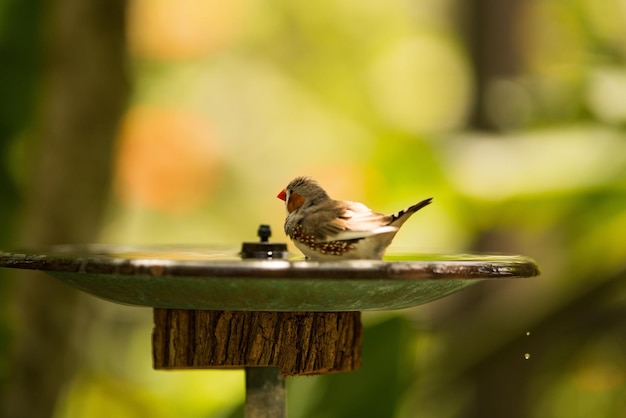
(327, 229)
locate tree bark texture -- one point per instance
(298, 343)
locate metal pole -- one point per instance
(265, 393)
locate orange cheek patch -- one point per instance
(295, 201)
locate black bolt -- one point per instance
(264, 232)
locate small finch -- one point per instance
(327, 229)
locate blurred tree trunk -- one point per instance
(83, 94)
(491, 32)
(20, 44)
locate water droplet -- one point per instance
(527, 356)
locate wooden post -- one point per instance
(297, 343)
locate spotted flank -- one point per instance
(331, 248)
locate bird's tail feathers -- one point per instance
(400, 217)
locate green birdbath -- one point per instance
(258, 309)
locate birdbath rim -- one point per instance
(197, 277)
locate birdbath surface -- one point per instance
(204, 278)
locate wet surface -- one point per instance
(188, 277)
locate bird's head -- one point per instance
(301, 191)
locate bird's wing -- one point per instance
(346, 220)
(323, 223)
(349, 235)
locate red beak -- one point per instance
(282, 195)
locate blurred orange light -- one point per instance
(162, 29)
(167, 159)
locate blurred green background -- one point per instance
(153, 121)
